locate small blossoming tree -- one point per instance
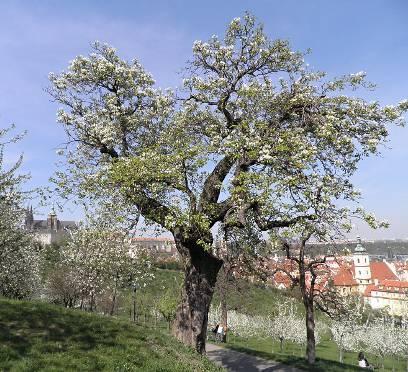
(19, 258)
(345, 335)
(103, 260)
(251, 128)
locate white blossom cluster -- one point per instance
(107, 98)
(286, 325)
(378, 338)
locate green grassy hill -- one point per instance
(37, 336)
(244, 297)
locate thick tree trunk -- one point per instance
(310, 333)
(201, 269)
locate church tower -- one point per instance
(361, 266)
(52, 220)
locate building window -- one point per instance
(358, 260)
(359, 272)
(365, 259)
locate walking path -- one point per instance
(234, 361)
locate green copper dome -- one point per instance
(359, 248)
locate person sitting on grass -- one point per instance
(363, 362)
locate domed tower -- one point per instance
(361, 266)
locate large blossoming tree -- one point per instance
(251, 132)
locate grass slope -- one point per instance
(37, 336)
(247, 298)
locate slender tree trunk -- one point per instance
(224, 319)
(223, 297)
(308, 302)
(310, 333)
(112, 310)
(134, 304)
(201, 269)
(91, 305)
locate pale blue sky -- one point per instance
(37, 37)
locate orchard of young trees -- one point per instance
(351, 331)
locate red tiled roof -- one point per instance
(283, 279)
(367, 291)
(394, 283)
(381, 271)
(344, 277)
(387, 286)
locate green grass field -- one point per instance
(37, 336)
(327, 355)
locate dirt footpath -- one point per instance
(235, 361)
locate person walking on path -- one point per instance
(220, 333)
(214, 332)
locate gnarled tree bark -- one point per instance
(201, 269)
